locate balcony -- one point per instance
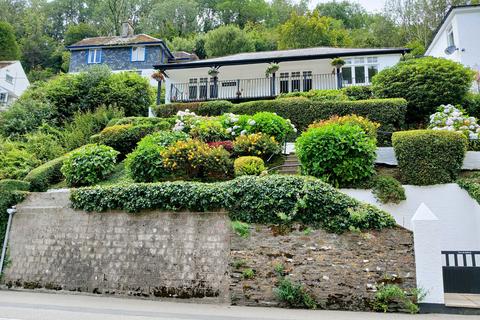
(249, 89)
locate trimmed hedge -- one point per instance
(205, 108)
(159, 123)
(14, 185)
(472, 185)
(390, 113)
(387, 189)
(428, 157)
(248, 199)
(42, 177)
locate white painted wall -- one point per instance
(20, 82)
(465, 23)
(257, 71)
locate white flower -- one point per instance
(251, 122)
(229, 130)
(233, 133)
(236, 127)
(473, 136)
(449, 122)
(244, 132)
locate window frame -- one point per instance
(9, 78)
(97, 53)
(450, 37)
(134, 54)
(367, 63)
(5, 99)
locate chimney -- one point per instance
(127, 29)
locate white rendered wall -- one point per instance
(20, 81)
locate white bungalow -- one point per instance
(13, 82)
(242, 76)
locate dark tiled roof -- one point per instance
(284, 55)
(115, 41)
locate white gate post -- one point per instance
(428, 256)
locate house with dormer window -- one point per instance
(127, 52)
(13, 82)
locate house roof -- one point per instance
(117, 41)
(282, 55)
(450, 12)
(4, 64)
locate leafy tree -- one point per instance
(77, 32)
(9, 49)
(380, 31)
(182, 44)
(312, 30)
(226, 40)
(264, 39)
(241, 11)
(280, 10)
(353, 15)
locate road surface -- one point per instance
(48, 306)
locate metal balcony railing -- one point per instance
(209, 89)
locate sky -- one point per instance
(370, 5)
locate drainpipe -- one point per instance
(10, 212)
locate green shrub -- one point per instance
(163, 138)
(248, 199)
(389, 113)
(257, 144)
(248, 166)
(471, 104)
(14, 185)
(85, 124)
(124, 137)
(44, 146)
(8, 198)
(369, 127)
(339, 154)
(272, 125)
(15, 161)
(358, 92)
(240, 228)
(248, 273)
(392, 295)
(472, 185)
(49, 173)
(209, 130)
(387, 189)
(197, 160)
(129, 92)
(428, 157)
(294, 295)
(145, 164)
(207, 108)
(89, 165)
(425, 83)
(159, 123)
(317, 95)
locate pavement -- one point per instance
(21, 305)
(462, 300)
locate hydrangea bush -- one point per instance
(450, 118)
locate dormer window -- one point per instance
(94, 55)
(138, 53)
(450, 38)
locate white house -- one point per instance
(13, 82)
(242, 76)
(457, 37)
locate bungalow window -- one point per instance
(192, 89)
(450, 38)
(94, 55)
(284, 82)
(307, 81)
(359, 70)
(138, 54)
(295, 81)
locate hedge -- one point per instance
(249, 199)
(159, 123)
(390, 113)
(14, 185)
(42, 177)
(428, 157)
(204, 108)
(472, 185)
(8, 198)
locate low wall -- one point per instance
(155, 254)
(195, 255)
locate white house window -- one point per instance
(138, 53)
(9, 78)
(359, 70)
(94, 55)
(450, 38)
(3, 97)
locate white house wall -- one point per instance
(20, 82)
(257, 71)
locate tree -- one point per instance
(78, 32)
(226, 40)
(353, 15)
(280, 10)
(240, 12)
(9, 49)
(182, 44)
(263, 39)
(379, 32)
(312, 30)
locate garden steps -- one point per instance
(291, 165)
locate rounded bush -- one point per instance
(369, 127)
(428, 157)
(145, 164)
(272, 125)
(425, 83)
(88, 165)
(387, 189)
(339, 154)
(46, 175)
(248, 166)
(163, 138)
(257, 144)
(358, 92)
(209, 130)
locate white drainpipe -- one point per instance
(10, 212)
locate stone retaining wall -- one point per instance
(195, 255)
